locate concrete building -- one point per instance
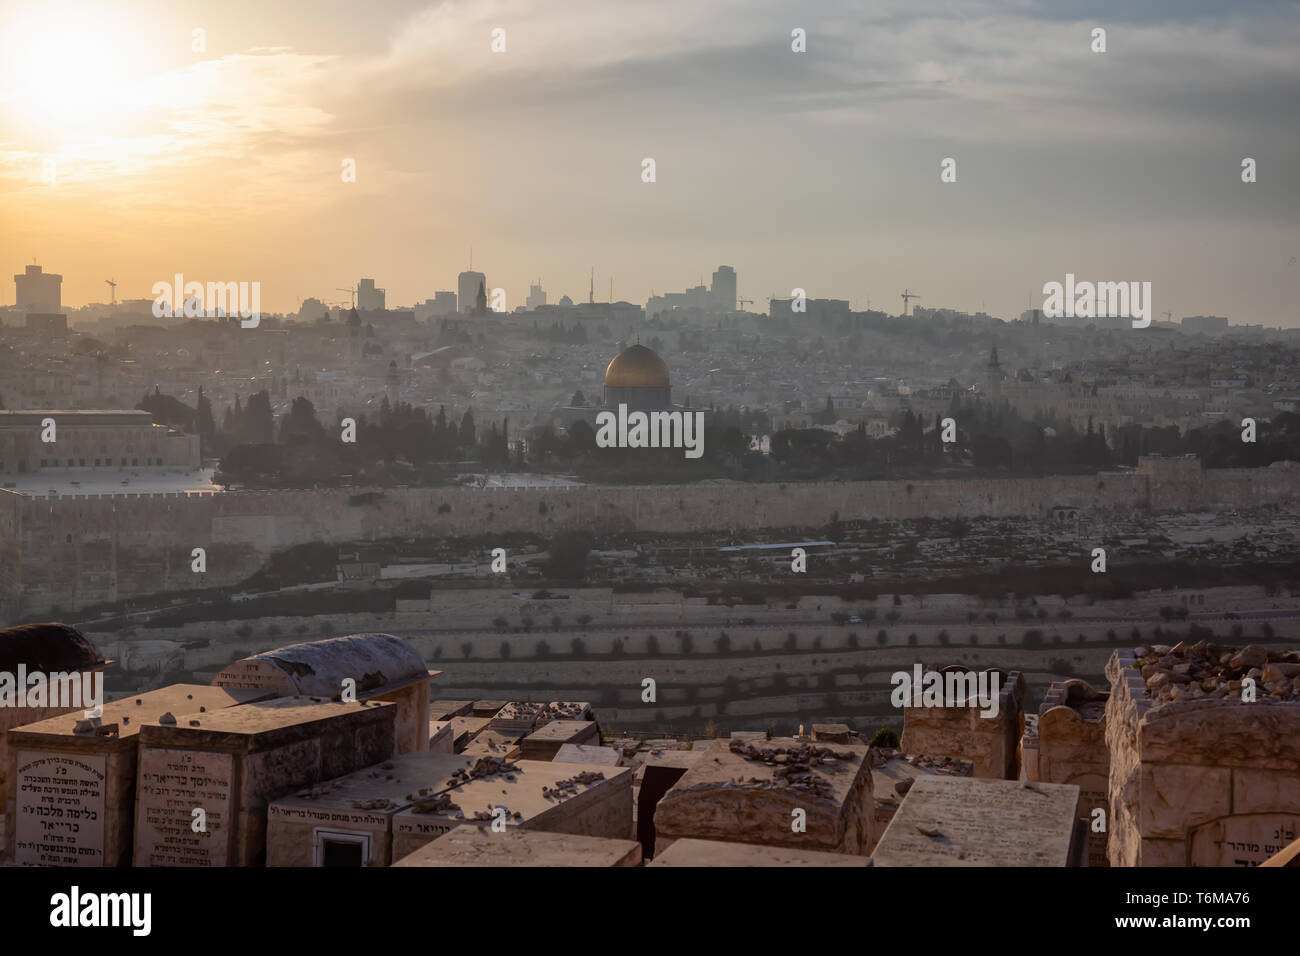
(468, 286)
(369, 298)
(37, 291)
(723, 290)
(98, 438)
(536, 296)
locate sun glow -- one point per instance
(66, 71)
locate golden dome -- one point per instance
(637, 367)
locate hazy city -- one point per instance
(537, 498)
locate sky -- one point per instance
(133, 147)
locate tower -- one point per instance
(993, 377)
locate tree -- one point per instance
(467, 433)
(685, 642)
(569, 550)
(505, 649)
(578, 647)
(723, 643)
(541, 650)
(652, 645)
(466, 648)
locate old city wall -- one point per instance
(81, 549)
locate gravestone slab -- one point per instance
(690, 852)
(544, 742)
(480, 846)
(959, 821)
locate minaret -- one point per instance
(993, 377)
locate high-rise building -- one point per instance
(369, 299)
(38, 291)
(536, 296)
(723, 290)
(467, 285)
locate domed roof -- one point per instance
(637, 367)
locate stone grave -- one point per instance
(233, 763)
(49, 649)
(831, 734)
(965, 821)
(590, 754)
(465, 729)
(894, 772)
(1067, 744)
(383, 667)
(349, 820)
(1199, 776)
(72, 781)
(545, 742)
(441, 740)
(467, 845)
(690, 852)
(748, 793)
(992, 744)
(447, 709)
(557, 797)
(494, 743)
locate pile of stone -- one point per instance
(316, 792)
(569, 786)
(795, 767)
(564, 710)
(485, 767)
(379, 803)
(1205, 671)
(439, 803)
(937, 763)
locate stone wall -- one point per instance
(1069, 746)
(81, 549)
(1199, 782)
(992, 744)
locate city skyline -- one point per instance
(818, 170)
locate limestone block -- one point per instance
(749, 793)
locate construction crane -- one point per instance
(1169, 316)
(352, 290)
(741, 300)
(112, 291)
(907, 295)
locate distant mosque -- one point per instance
(637, 378)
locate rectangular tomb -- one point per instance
(348, 821)
(1067, 744)
(535, 795)
(479, 846)
(779, 792)
(243, 758)
(893, 773)
(545, 742)
(689, 852)
(961, 821)
(73, 793)
(441, 740)
(1203, 772)
(991, 743)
